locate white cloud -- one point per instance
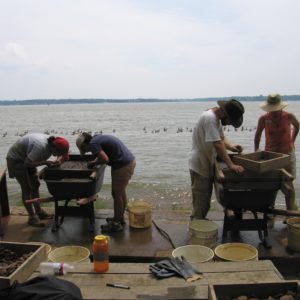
(120, 49)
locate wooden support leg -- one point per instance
(91, 215)
(55, 224)
(266, 241)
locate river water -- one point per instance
(159, 135)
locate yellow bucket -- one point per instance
(293, 229)
(236, 252)
(139, 214)
(69, 254)
(194, 253)
(203, 232)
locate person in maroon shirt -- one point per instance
(281, 129)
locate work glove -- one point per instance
(164, 269)
(186, 270)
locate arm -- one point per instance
(233, 148)
(222, 153)
(294, 121)
(101, 158)
(32, 164)
(259, 130)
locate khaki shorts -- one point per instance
(27, 177)
(201, 193)
(124, 173)
(291, 167)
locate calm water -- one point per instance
(159, 135)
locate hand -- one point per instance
(237, 148)
(237, 168)
(90, 165)
(50, 163)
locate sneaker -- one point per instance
(112, 227)
(108, 220)
(35, 221)
(43, 215)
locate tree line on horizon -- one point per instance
(136, 100)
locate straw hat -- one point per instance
(274, 103)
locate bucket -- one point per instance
(203, 232)
(194, 253)
(69, 254)
(236, 252)
(139, 214)
(293, 229)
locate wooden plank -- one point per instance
(4, 210)
(2, 173)
(144, 285)
(209, 267)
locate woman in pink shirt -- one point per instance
(281, 129)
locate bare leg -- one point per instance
(290, 198)
(120, 198)
(26, 194)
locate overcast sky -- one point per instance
(148, 48)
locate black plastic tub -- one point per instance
(73, 179)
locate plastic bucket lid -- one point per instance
(69, 254)
(236, 252)
(203, 226)
(194, 253)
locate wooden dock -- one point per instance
(144, 286)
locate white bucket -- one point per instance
(293, 229)
(236, 252)
(194, 253)
(139, 214)
(203, 232)
(69, 254)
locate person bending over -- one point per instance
(110, 150)
(24, 156)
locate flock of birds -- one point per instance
(164, 129)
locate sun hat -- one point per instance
(274, 102)
(62, 145)
(79, 143)
(234, 111)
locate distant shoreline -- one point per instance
(138, 100)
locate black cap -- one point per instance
(234, 111)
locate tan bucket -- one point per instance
(139, 214)
(69, 254)
(194, 253)
(236, 252)
(203, 232)
(293, 229)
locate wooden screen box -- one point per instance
(253, 290)
(25, 269)
(262, 161)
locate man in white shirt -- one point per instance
(208, 141)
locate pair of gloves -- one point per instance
(177, 266)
